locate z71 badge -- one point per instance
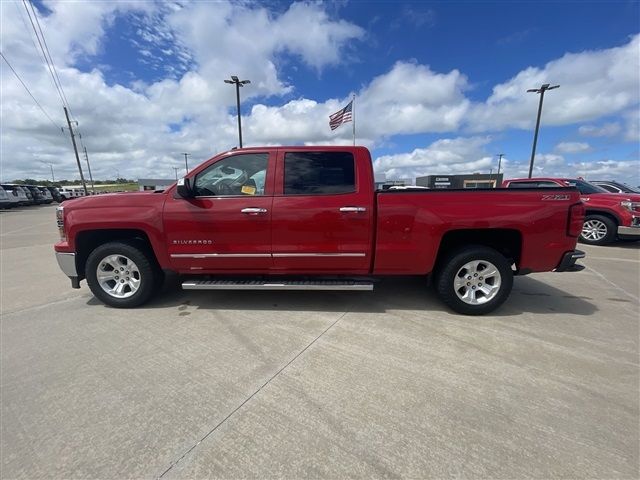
(555, 197)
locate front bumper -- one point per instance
(568, 263)
(629, 232)
(67, 263)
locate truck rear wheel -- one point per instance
(474, 280)
(598, 230)
(121, 275)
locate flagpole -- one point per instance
(353, 115)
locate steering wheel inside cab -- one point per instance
(225, 185)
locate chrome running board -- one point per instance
(353, 285)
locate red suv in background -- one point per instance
(609, 216)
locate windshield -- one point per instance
(585, 188)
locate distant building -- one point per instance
(154, 183)
(474, 180)
(381, 182)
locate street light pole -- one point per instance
(186, 163)
(500, 155)
(176, 170)
(75, 149)
(541, 91)
(86, 157)
(238, 83)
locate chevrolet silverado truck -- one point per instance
(308, 218)
(608, 216)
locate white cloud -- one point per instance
(552, 165)
(450, 156)
(572, 147)
(128, 129)
(632, 126)
(141, 129)
(593, 84)
(387, 106)
(605, 130)
(606, 170)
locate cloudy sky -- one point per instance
(440, 86)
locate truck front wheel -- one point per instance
(474, 280)
(598, 230)
(120, 275)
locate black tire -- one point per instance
(478, 302)
(145, 270)
(598, 230)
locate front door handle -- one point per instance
(253, 211)
(353, 209)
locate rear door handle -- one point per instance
(253, 211)
(353, 209)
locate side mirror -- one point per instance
(184, 188)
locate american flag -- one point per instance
(341, 116)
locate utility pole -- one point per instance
(500, 155)
(86, 157)
(53, 178)
(186, 164)
(176, 170)
(541, 90)
(238, 83)
(75, 149)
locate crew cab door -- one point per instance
(226, 226)
(322, 212)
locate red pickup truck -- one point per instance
(308, 218)
(609, 216)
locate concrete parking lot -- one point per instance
(317, 385)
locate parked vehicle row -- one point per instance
(14, 195)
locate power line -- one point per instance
(44, 40)
(26, 28)
(55, 72)
(58, 88)
(29, 92)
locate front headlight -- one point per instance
(629, 205)
(60, 222)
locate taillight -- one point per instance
(60, 222)
(576, 219)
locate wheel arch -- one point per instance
(88, 240)
(604, 213)
(506, 241)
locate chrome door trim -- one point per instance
(220, 255)
(292, 255)
(264, 255)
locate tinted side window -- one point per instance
(548, 185)
(315, 173)
(523, 185)
(584, 187)
(610, 188)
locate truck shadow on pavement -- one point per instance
(528, 296)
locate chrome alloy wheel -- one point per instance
(477, 282)
(594, 230)
(118, 276)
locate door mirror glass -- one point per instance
(184, 188)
